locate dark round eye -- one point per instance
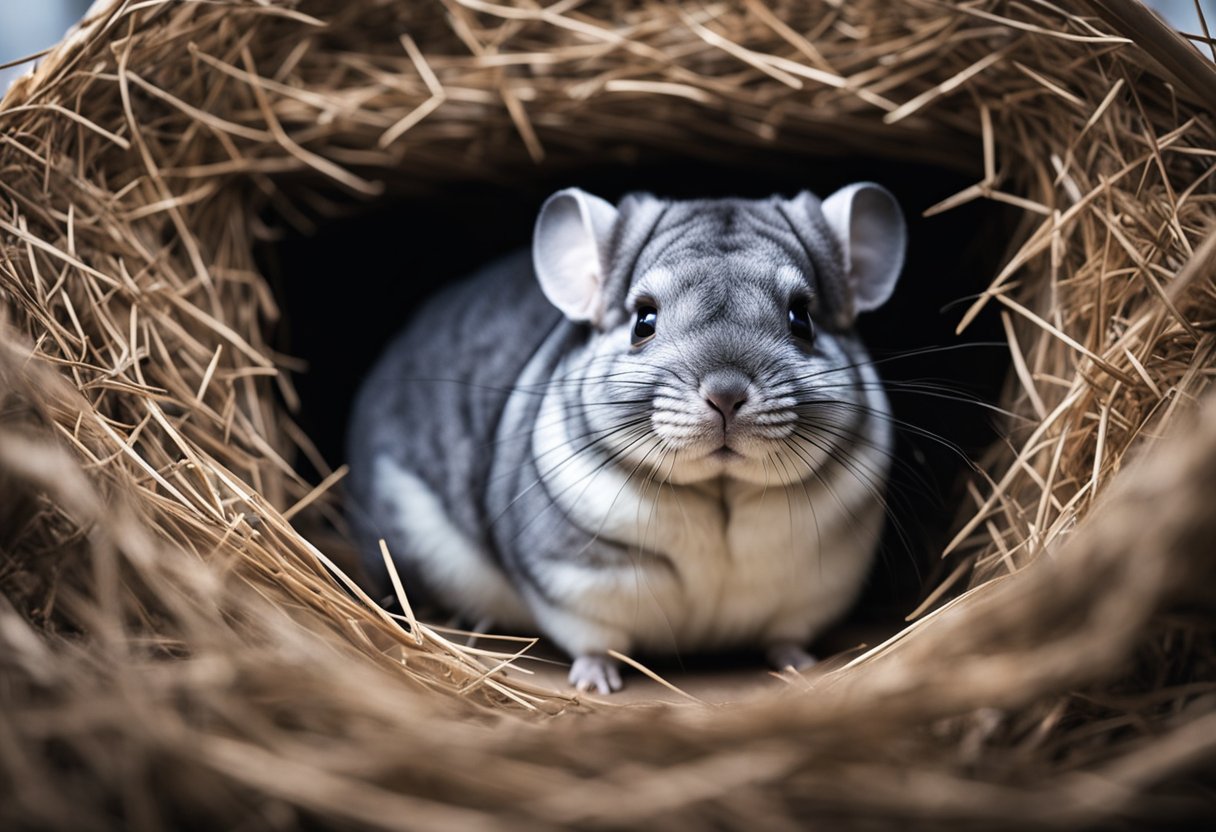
(800, 324)
(643, 328)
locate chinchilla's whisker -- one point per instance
(869, 361)
(658, 444)
(870, 479)
(600, 439)
(813, 420)
(877, 495)
(788, 472)
(569, 379)
(600, 436)
(589, 480)
(893, 459)
(562, 420)
(929, 390)
(816, 472)
(817, 407)
(842, 455)
(641, 437)
(809, 502)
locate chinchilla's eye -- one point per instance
(800, 323)
(643, 328)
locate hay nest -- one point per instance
(174, 651)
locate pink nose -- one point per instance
(725, 392)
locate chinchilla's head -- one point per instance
(720, 331)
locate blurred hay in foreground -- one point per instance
(172, 650)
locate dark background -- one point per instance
(346, 288)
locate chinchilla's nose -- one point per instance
(725, 390)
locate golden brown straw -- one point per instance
(172, 650)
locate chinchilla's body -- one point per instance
(657, 433)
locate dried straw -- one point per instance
(173, 650)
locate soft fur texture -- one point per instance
(718, 483)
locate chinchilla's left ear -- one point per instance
(869, 225)
(568, 252)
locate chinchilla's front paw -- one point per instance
(595, 671)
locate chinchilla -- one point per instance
(656, 432)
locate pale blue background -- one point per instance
(28, 26)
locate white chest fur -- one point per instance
(712, 564)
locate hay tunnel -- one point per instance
(175, 653)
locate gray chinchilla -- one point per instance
(657, 432)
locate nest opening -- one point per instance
(347, 282)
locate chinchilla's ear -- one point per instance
(869, 225)
(568, 250)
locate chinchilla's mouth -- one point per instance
(725, 453)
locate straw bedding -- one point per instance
(174, 652)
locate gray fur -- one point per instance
(466, 398)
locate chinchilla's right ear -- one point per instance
(568, 252)
(869, 225)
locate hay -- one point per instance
(174, 651)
